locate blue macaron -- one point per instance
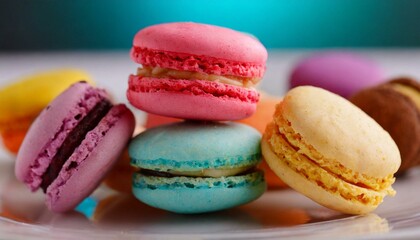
(196, 167)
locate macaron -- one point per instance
(343, 73)
(331, 151)
(196, 71)
(395, 105)
(24, 99)
(196, 167)
(72, 144)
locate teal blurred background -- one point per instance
(111, 24)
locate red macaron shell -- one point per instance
(196, 47)
(91, 160)
(198, 99)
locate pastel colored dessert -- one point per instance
(331, 151)
(342, 73)
(395, 105)
(196, 71)
(72, 144)
(196, 167)
(24, 99)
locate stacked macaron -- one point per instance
(204, 74)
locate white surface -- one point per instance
(274, 215)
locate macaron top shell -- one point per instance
(341, 131)
(189, 146)
(202, 40)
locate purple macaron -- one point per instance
(72, 145)
(342, 73)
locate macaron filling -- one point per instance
(197, 63)
(197, 87)
(73, 140)
(158, 72)
(144, 179)
(409, 92)
(213, 173)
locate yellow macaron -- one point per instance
(24, 99)
(329, 150)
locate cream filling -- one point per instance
(216, 173)
(409, 92)
(158, 72)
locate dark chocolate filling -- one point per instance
(73, 140)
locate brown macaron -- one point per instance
(395, 105)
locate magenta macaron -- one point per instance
(196, 71)
(72, 144)
(343, 73)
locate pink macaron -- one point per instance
(343, 73)
(196, 71)
(72, 144)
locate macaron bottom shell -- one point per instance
(192, 99)
(190, 195)
(312, 190)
